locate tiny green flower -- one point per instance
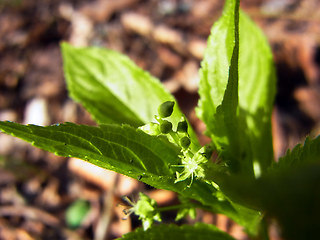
(146, 208)
(192, 166)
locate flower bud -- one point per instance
(182, 126)
(166, 109)
(165, 127)
(185, 142)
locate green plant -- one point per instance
(237, 89)
(76, 213)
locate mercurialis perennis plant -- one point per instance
(143, 134)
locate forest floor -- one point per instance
(166, 38)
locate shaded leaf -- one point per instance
(300, 155)
(257, 88)
(290, 196)
(289, 192)
(174, 232)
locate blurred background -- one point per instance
(43, 196)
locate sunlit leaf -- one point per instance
(130, 152)
(237, 92)
(113, 89)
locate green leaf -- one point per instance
(113, 89)
(219, 83)
(240, 128)
(300, 155)
(184, 212)
(187, 209)
(119, 148)
(110, 86)
(174, 232)
(257, 88)
(130, 152)
(289, 192)
(227, 117)
(291, 197)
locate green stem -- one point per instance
(174, 207)
(175, 137)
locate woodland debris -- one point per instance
(163, 34)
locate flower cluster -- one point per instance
(146, 208)
(192, 163)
